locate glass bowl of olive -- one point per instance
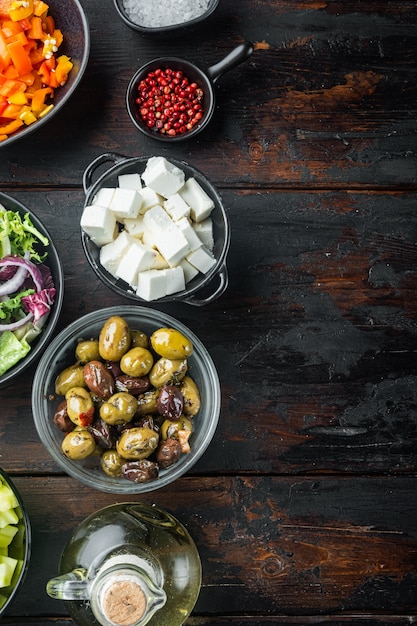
(126, 399)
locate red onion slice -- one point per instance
(26, 266)
(17, 324)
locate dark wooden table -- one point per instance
(304, 507)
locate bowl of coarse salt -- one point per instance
(155, 229)
(165, 17)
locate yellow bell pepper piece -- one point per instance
(20, 9)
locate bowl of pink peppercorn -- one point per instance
(171, 99)
(165, 17)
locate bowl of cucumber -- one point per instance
(15, 541)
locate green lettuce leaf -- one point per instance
(11, 350)
(11, 309)
(20, 234)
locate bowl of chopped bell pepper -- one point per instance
(44, 50)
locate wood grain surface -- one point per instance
(304, 506)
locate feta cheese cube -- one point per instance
(201, 259)
(151, 285)
(172, 244)
(189, 233)
(189, 270)
(159, 262)
(157, 219)
(176, 207)
(162, 176)
(125, 203)
(175, 280)
(200, 202)
(99, 223)
(136, 259)
(149, 199)
(104, 196)
(112, 253)
(135, 226)
(130, 181)
(204, 230)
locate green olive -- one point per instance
(147, 402)
(87, 351)
(80, 406)
(119, 408)
(78, 444)
(171, 344)
(136, 362)
(114, 338)
(72, 376)
(137, 443)
(139, 339)
(169, 429)
(191, 394)
(167, 372)
(111, 463)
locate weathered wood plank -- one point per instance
(289, 545)
(316, 349)
(328, 99)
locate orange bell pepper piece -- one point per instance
(10, 127)
(38, 99)
(20, 57)
(39, 7)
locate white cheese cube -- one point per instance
(175, 280)
(136, 259)
(159, 262)
(151, 285)
(162, 176)
(189, 233)
(135, 226)
(189, 270)
(149, 199)
(200, 202)
(172, 244)
(201, 259)
(130, 181)
(157, 219)
(148, 238)
(176, 207)
(99, 223)
(104, 196)
(204, 230)
(125, 203)
(112, 253)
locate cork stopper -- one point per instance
(124, 602)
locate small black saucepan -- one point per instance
(205, 79)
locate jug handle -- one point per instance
(71, 586)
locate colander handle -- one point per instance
(223, 278)
(91, 169)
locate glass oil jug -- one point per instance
(129, 564)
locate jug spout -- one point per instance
(70, 586)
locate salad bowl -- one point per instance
(29, 310)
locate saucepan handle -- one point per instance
(223, 279)
(91, 169)
(235, 57)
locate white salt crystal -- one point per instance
(164, 12)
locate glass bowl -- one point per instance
(70, 18)
(54, 264)
(19, 548)
(203, 288)
(60, 354)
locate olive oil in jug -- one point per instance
(129, 564)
